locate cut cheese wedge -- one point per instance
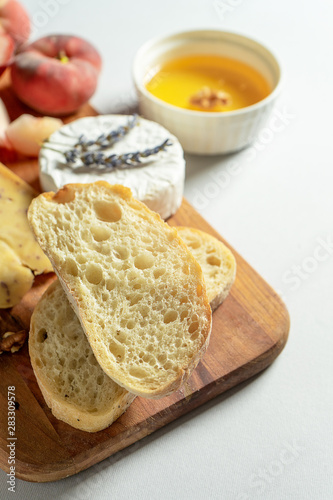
(20, 257)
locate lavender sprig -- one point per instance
(105, 140)
(97, 158)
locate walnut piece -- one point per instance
(12, 341)
(208, 98)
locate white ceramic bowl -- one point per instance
(202, 132)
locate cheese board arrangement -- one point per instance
(113, 322)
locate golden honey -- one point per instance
(204, 82)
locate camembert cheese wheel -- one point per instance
(158, 181)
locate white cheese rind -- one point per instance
(159, 182)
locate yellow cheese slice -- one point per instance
(15, 279)
(19, 249)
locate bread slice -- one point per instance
(62, 358)
(136, 288)
(216, 260)
(73, 384)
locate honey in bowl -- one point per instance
(206, 82)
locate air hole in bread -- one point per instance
(134, 299)
(105, 296)
(162, 358)
(121, 253)
(71, 267)
(213, 260)
(199, 290)
(107, 211)
(41, 335)
(117, 350)
(100, 379)
(170, 316)
(193, 327)
(121, 337)
(110, 284)
(82, 259)
(130, 324)
(39, 363)
(144, 261)
(70, 247)
(72, 364)
(138, 372)
(159, 272)
(80, 362)
(183, 315)
(100, 233)
(193, 244)
(195, 335)
(92, 359)
(137, 286)
(144, 311)
(168, 365)
(94, 273)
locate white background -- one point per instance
(271, 438)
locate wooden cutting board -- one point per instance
(250, 330)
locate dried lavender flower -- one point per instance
(90, 151)
(97, 158)
(106, 140)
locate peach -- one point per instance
(25, 135)
(56, 74)
(14, 20)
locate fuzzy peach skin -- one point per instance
(14, 20)
(56, 74)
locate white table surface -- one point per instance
(271, 438)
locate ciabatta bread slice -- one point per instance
(61, 355)
(73, 384)
(136, 288)
(216, 260)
